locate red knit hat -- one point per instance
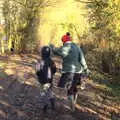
(66, 38)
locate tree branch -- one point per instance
(86, 2)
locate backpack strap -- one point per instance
(39, 65)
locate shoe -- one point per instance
(71, 101)
(52, 101)
(45, 108)
(83, 86)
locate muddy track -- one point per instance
(20, 97)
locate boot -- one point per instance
(71, 100)
(45, 108)
(52, 101)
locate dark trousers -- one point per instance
(73, 78)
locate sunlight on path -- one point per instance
(20, 96)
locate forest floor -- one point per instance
(20, 95)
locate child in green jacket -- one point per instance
(72, 66)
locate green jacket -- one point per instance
(73, 58)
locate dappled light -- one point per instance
(28, 25)
(1, 88)
(4, 103)
(22, 90)
(2, 114)
(64, 16)
(10, 72)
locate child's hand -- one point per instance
(87, 71)
(37, 67)
(52, 46)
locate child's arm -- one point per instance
(53, 67)
(37, 67)
(62, 51)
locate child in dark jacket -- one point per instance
(45, 70)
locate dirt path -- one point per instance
(20, 95)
